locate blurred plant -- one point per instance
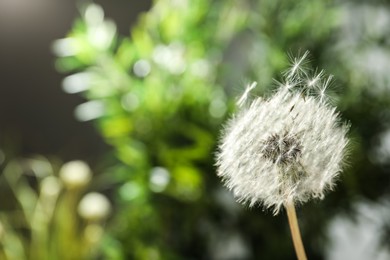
(40, 221)
(157, 98)
(360, 58)
(156, 106)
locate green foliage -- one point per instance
(162, 108)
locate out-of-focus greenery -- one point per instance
(47, 213)
(161, 109)
(160, 95)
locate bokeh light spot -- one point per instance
(217, 108)
(89, 110)
(159, 179)
(76, 83)
(141, 68)
(130, 102)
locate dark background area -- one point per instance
(36, 116)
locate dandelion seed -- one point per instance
(322, 89)
(287, 84)
(297, 65)
(245, 95)
(314, 81)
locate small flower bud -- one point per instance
(94, 207)
(75, 174)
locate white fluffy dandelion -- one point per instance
(284, 149)
(288, 147)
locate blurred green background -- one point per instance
(110, 113)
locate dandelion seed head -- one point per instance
(289, 146)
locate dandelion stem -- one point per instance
(295, 233)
